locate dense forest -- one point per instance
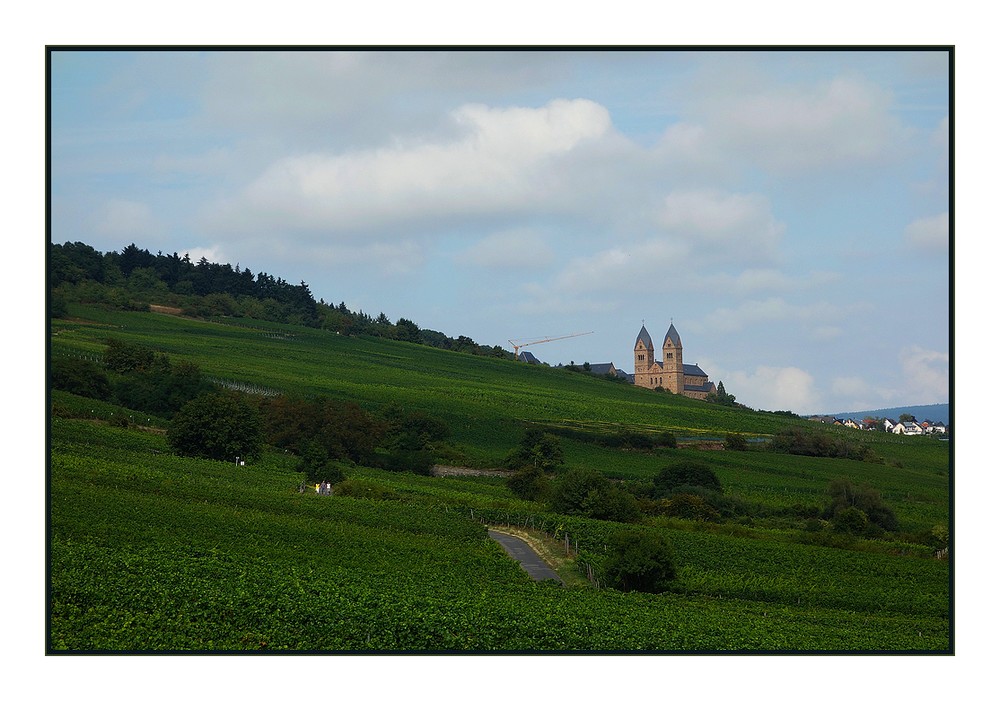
(137, 280)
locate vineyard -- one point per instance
(152, 551)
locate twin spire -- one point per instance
(647, 340)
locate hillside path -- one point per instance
(529, 559)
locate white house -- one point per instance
(908, 428)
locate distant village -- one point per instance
(902, 428)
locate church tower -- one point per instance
(673, 361)
(643, 356)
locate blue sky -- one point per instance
(788, 211)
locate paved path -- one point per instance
(529, 559)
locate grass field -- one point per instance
(154, 551)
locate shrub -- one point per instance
(317, 466)
(536, 448)
(121, 356)
(844, 494)
(736, 441)
(364, 490)
(639, 561)
(851, 520)
(691, 507)
(683, 474)
(529, 483)
(586, 492)
(221, 426)
(413, 430)
(667, 440)
(344, 429)
(81, 377)
(798, 441)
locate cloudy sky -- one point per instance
(787, 211)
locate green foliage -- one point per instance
(79, 376)
(799, 441)
(736, 441)
(851, 520)
(163, 387)
(586, 492)
(684, 474)
(122, 356)
(317, 466)
(57, 305)
(620, 438)
(223, 426)
(150, 551)
(343, 429)
(419, 462)
(413, 430)
(529, 483)
(639, 561)
(845, 495)
(537, 449)
(722, 397)
(690, 506)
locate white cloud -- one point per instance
(504, 160)
(925, 375)
(514, 249)
(723, 225)
(770, 310)
(212, 255)
(126, 218)
(928, 234)
(762, 280)
(774, 389)
(787, 129)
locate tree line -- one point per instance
(133, 279)
(208, 421)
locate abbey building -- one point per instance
(672, 373)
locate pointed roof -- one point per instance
(672, 336)
(645, 338)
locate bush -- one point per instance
(736, 441)
(684, 474)
(221, 426)
(318, 467)
(691, 507)
(419, 462)
(798, 441)
(639, 561)
(844, 494)
(850, 520)
(163, 387)
(344, 429)
(81, 377)
(413, 430)
(536, 448)
(529, 483)
(586, 492)
(121, 356)
(364, 490)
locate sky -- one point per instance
(787, 211)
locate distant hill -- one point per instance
(930, 412)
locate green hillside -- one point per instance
(150, 550)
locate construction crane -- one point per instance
(519, 344)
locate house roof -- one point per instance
(703, 387)
(672, 336)
(527, 357)
(645, 338)
(694, 370)
(602, 368)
